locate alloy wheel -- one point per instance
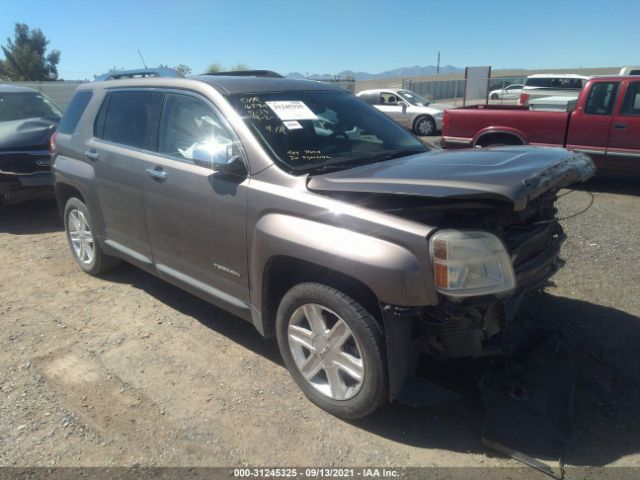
(81, 237)
(326, 351)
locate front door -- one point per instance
(196, 216)
(623, 151)
(590, 124)
(390, 104)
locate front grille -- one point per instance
(534, 242)
(525, 243)
(25, 162)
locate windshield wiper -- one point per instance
(379, 157)
(334, 167)
(401, 152)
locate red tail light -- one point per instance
(52, 144)
(524, 98)
(445, 121)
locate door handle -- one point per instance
(92, 155)
(620, 126)
(157, 174)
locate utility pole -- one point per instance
(438, 64)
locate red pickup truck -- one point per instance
(605, 124)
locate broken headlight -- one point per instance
(468, 263)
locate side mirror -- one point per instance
(219, 157)
(404, 106)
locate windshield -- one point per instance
(18, 106)
(413, 98)
(316, 131)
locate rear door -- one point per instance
(590, 123)
(623, 152)
(196, 216)
(125, 137)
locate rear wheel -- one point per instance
(333, 349)
(84, 246)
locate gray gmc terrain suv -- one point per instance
(303, 210)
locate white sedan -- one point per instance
(409, 109)
(506, 93)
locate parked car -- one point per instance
(409, 109)
(507, 93)
(605, 124)
(630, 70)
(27, 120)
(315, 217)
(551, 85)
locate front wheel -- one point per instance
(84, 246)
(424, 126)
(333, 349)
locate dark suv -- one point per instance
(305, 211)
(27, 120)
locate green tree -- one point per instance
(240, 66)
(214, 68)
(183, 69)
(25, 57)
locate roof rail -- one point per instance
(140, 73)
(247, 73)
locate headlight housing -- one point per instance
(470, 263)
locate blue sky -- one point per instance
(330, 35)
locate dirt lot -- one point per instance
(126, 369)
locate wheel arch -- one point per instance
(282, 272)
(507, 134)
(64, 192)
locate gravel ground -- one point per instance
(128, 370)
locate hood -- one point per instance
(431, 109)
(25, 133)
(507, 174)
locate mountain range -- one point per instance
(413, 71)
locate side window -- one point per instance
(388, 98)
(191, 130)
(601, 98)
(74, 111)
(130, 118)
(631, 103)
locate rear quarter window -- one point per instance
(74, 111)
(130, 118)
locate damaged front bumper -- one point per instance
(530, 382)
(470, 327)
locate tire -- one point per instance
(85, 248)
(424, 126)
(495, 96)
(347, 379)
